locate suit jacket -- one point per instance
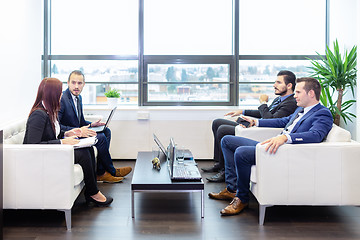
(311, 128)
(67, 115)
(39, 129)
(285, 108)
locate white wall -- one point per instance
(189, 126)
(20, 58)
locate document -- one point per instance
(86, 142)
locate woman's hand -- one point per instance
(70, 140)
(73, 132)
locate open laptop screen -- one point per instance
(171, 156)
(157, 141)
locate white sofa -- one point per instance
(320, 174)
(39, 176)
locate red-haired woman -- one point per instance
(42, 127)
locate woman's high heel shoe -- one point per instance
(90, 201)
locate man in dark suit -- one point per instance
(282, 106)
(71, 116)
(310, 123)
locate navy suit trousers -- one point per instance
(239, 154)
(104, 162)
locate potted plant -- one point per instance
(112, 97)
(336, 74)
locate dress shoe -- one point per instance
(108, 178)
(215, 168)
(235, 207)
(91, 202)
(219, 177)
(123, 171)
(223, 195)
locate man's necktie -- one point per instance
(298, 111)
(275, 103)
(78, 107)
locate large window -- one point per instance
(188, 27)
(92, 27)
(182, 52)
(282, 27)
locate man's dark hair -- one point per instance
(76, 72)
(289, 77)
(311, 84)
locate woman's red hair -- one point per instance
(49, 93)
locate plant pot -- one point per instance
(112, 102)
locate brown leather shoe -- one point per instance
(223, 195)
(108, 178)
(235, 207)
(123, 171)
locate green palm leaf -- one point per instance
(336, 73)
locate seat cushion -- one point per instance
(78, 174)
(338, 134)
(253, 174)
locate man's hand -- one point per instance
(250, 120)
(274, 143)
(86, 132)
(70, 140)
(263, 98)
(97, 123)
(234, 113)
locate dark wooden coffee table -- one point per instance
(147, 179)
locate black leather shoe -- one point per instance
(219, 177)
(91, 202)
(215, 168)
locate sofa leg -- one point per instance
(262, 210)
(67, 218)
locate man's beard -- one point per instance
(281, 93)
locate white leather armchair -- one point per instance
(321, 174)
(39, 176)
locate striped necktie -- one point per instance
(275, 103)
(78, 107)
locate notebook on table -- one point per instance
(102, 128)
(186, 171)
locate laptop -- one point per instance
(187, 153)
(102, 128)
(186, 171)
(162, 148)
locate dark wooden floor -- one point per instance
(177, 216)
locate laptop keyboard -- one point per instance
(180, 171)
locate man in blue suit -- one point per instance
(71, 116)
(310, 123)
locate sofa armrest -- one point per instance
(259, 134)
(309, 174)
(44, 172)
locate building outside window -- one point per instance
(182, 52)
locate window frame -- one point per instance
(144, 60)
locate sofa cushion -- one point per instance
(338, 134)
(253, 174)
(14, 132)
(78, 174)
